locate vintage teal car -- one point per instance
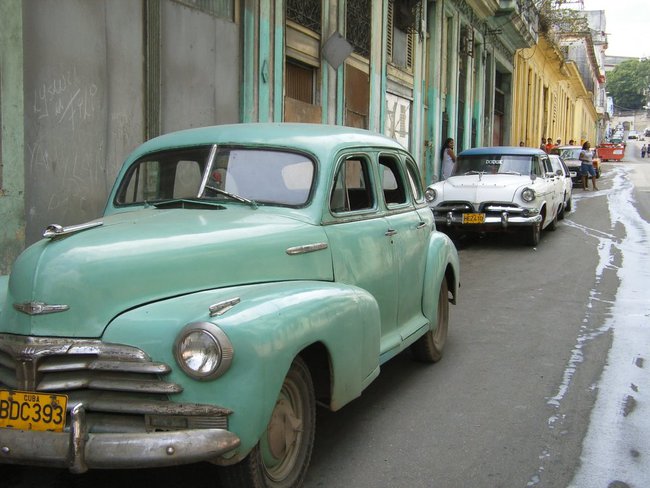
(240, 275)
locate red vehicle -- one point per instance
(610, 151)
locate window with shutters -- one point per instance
(400, 36)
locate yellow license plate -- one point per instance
(474, 218)
(28, 410)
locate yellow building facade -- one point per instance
(550, 98)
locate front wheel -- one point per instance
(281, 457)
(533, 234)
(429, 347)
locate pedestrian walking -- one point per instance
(643, 151)
(587, 166)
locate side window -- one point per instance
(352, 189)
(548, 168)
(414, 180)
(392, 182)
(537, 170)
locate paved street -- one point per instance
(522, 397)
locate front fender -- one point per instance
(270, 325)
(442, 260)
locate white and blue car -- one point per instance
(499, 189)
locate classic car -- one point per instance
(498, 189)
(240, 275)
(562, 170)
(571, 156)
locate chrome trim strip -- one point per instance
(56, 230)
(306, 248)
(222, 307)
(39, 308)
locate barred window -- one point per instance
(306, 13)
(357, 26)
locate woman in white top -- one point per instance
(448, 158)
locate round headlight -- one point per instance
(528, 194)
(203, 351)
(430, 194)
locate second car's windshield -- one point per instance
(221, 174)
(493, 164)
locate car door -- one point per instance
(555, 186)
(361, 241)
(409, 234)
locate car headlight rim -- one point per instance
(528, 195)
(203, 351)
(430, 194)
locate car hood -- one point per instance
(481, 188)
(144, 256)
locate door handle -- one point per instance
(390, 232)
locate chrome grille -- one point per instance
(451, 206)
(118, 385)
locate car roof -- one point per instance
(314, 138)
(512, 150)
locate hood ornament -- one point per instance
(56, 230)
(39, 308)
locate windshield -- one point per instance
(493, 164)
(572, 153)
(219, 174)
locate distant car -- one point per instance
(499, 189)
(633, 135)
(571, 156)
(240, 275)
(562, 170)
(646, 132)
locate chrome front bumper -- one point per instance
(503, 220)
(79, 451)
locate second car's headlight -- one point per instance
(528, 195)
(430, 194)
(203, 350)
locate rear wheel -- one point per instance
(569, 205)
(281, 457)
(429, 347)
(553, 224)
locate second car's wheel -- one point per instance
(533, 233)
(429, 347)
(569, 205)
(281, 457)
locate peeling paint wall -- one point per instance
(74, 99)
(12, 221)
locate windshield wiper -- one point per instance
(232, 196)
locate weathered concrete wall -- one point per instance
(12, 182)
(83, 105)
(200, 64)
(84, 88)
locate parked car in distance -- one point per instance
(240, 275)
(499, 189)
(632, 135)
(562, 170)
(571, 156)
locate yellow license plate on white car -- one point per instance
(29, 410)
(473, 218)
